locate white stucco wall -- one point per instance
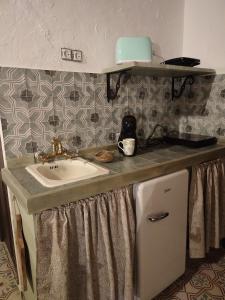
(32, 32)
(204, 32)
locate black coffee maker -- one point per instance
(128, 130)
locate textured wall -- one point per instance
(32, 32)
(204, 31)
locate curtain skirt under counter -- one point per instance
(206, 207)
(85, 250)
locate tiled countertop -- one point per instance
(123, 171)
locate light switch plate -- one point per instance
(77, 55)
(66, 54)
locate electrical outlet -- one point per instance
(66, 54)
(77, 55)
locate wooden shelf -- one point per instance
(138, 68)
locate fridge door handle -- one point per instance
(157, 217)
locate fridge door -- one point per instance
(161, 211)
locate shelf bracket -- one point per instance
(177, 94)
(112, 94)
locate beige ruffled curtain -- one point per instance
(85, 250)
(206, 207)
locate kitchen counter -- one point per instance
(123, 171)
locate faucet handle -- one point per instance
(56, 145)
(56, 141)
(38, 155)
(60, 148)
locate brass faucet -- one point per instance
(58, 151)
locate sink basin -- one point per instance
(65, 171)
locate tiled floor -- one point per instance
(203, 279)
(8, 287)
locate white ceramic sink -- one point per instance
(65, 171)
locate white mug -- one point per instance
(128, 146)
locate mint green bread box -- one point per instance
(133, 49)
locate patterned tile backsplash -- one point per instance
(36, 105)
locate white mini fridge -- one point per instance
(161, 212)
